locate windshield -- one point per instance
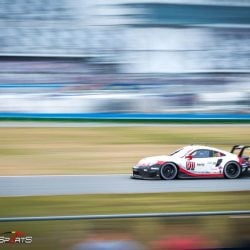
(181, 152)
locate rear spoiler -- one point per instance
(239, 147)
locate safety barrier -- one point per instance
(127, 116)
(123, 216)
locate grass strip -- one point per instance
(87, 150)
(123, 203)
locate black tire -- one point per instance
(169, 171)
(232, 170)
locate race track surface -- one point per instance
(104, 184)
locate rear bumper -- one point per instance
(245, 171)
(245, 168)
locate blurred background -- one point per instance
(124, 56)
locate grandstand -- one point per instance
(160, 51)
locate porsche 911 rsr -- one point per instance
(194, 161)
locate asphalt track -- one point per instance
(115, 184)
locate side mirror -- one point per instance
(189, 157)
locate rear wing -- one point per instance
(239, 147)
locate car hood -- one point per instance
(149, 161)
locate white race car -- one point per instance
(194, 161)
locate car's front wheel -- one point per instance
(232, 170)
(169, 171)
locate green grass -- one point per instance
(65, 234)
(102, 149)
(123, 203)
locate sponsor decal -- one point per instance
(220, 168)
(15, 237)
(154, 168)
(200, 164)
(206, 174)
(211, 163)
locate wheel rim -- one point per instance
(169, 171)
(232, 170)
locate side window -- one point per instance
(201, 153)
(217, 154)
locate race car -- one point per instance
(194, 161)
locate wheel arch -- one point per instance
(232, 161)
(170, 162)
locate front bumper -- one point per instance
(152, 172)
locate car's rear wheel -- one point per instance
(169, 171)
(232, 170)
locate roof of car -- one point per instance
(194, 147)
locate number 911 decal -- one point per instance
(190, 165)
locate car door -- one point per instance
(215, 162)
(200, 162)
